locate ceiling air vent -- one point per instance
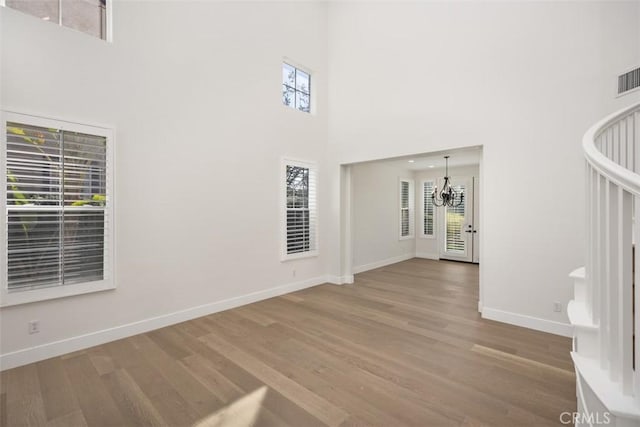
(629, 81)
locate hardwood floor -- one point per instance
(402, 346)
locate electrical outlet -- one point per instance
(34, 326)
(557, 307)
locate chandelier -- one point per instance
(448, 196)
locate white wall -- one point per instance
(622, 51)
(428, 247)
(376, 216)
(523, 79)
(193, 91)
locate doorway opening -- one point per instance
(388, 215)
(460, 223)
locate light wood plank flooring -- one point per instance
(403, 346)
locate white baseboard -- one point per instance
(382, 263)
(340, 280)
(544, 325)
(68, 345)
(428, 255)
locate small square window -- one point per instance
(296, 88)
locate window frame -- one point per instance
(108, 25)
(16, 297)
(423, 234)
(410, 209)
(297, 68)
(313, 210)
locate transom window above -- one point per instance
(88, 16)
(296, 88)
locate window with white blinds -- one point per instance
(428, 210)
(300, 210)
(406, 209)
(454, 240)
(57, 201)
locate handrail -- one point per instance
(614, 172)
(605, 350)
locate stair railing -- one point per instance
(612, 152)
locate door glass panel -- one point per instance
(454, 241)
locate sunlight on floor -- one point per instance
(241, 413)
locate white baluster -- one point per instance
(594, 260)
(603, 259)
(613, 237)
(625, 317)
(588, 270)
(615, 139)
(635, 136)
(636, 297)
(622, 138)
(628, 122)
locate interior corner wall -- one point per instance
(523, 79)
(375, 209)
(193, 91)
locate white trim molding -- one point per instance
(544, 325)
(428, 255)
(68, 345)
(340, 280)
(382, 263)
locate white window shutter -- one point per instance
(428, 209)
(300, 204)
(406, 209)
(57, 229)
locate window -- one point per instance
(300, 210)
(58, 223)
(88, 16)
(296, 88)
(406, 209)
(454, 240)
(428, 210)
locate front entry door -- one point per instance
(457, 225)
